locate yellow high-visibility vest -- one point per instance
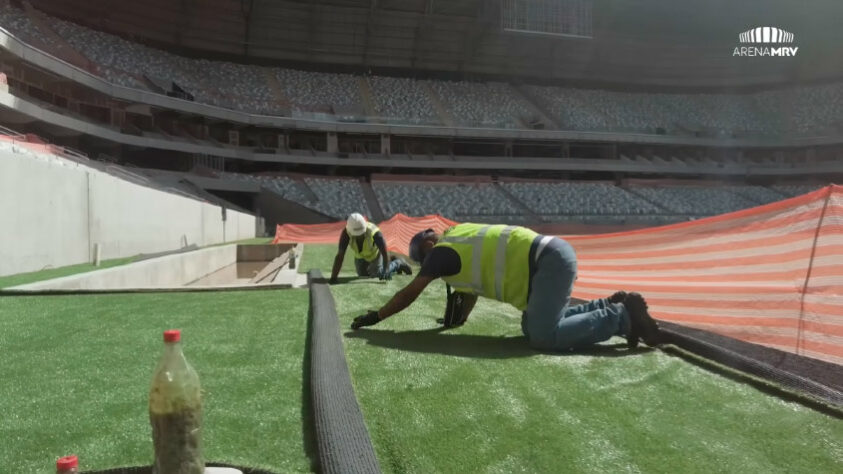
(494, 261)
(369, 251)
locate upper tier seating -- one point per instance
(694, 201)
(454, 201)
(806, 110)
(491, 105)
(573, 199)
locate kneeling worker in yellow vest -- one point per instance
(532, 272)
(369, 248)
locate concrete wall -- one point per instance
(162, 272)
(277, 210)
(53, 211)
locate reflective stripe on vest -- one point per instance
(369, 251)
(472, 241)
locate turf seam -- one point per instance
(110, 291)
(763, 384)
(148, 469)
(342, 439)
(693, 341)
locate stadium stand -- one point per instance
(525, 202)
(568, 112)
(694, 201)
(756, 194)
(491, 105)
(791, 190)
(19, 24)
(599, 110)
(478, 202)
(811, 110)
(284, 186)
(319, 92)
(402, 99)
(580, 199)
(338, 197)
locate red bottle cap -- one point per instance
(172, 335)
(67, 463)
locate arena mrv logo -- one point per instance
(754, 42)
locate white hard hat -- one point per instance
(356, 225)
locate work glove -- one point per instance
(385, 275)
(453, 309)
(369, 319)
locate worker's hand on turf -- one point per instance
(369, 319)
(385, 275)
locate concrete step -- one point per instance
(518, 203)
(372, 202)
(367, 97)
(277, 90)
(441, 111)
(62, 49)
(536, 107)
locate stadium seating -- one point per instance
(583, 202)
(694, 201)
(580, 199)
(756, 194)
(338, 197)
(600, 110)
(490, 105)
(315, 91)
(18, 23)
(334, 197)
(792, 190)
(807, 110)
(478, 201)
(402, 99)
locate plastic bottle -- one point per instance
(67, 465)
(175, 412)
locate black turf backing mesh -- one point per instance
(815, 378)
(342, 439)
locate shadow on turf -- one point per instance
(349, 279)
(307, 416)
(440, 341)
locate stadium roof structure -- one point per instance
(644, 42)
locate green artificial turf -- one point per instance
(251, 241)
(50, 273)
(477, 399)
(76, 373)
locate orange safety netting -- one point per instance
(398, 231)
(770, 275)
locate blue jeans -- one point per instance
(550, 323)
(373, 268)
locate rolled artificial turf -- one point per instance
(76, 373)
(342, 439)
(478, 399)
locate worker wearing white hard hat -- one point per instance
(369, 247)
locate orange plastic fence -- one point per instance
(770, 275)
(398, 231)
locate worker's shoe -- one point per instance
(617, 297)
(642, 325)
(404, 268)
